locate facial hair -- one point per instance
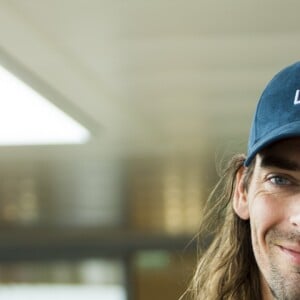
(283, 286)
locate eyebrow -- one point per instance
(279, 162)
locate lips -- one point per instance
(292, 252)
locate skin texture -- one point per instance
(272, 204)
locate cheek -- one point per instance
(264, 216)
(266, 211)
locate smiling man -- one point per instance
(253, 214)
(272, 204)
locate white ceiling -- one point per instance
(155, 76)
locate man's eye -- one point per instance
(279, 180)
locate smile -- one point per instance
(292, 253)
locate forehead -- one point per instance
(288, 149)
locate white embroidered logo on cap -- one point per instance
(297, 100)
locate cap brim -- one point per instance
(288, 131)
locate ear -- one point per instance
(240, 202)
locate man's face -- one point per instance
(272, 204)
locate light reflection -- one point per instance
(22, 108)
(61, 292)
(85, 279)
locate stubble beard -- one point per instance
(282, 286)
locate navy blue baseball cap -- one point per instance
(277, 114)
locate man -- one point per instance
(253, 214)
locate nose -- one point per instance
(295, 219)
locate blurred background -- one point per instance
(163, 91)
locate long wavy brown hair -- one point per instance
(226, 269)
